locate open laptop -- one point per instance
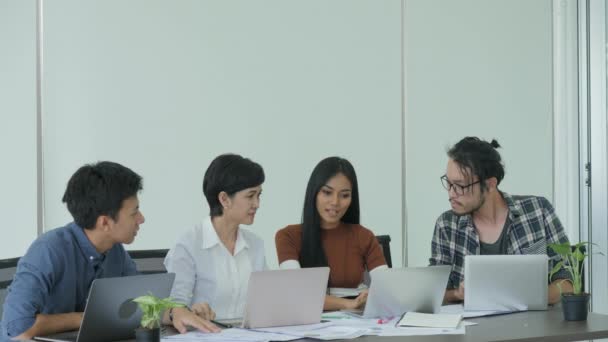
(285, 297)
(505, 282)
(110, 315)
(395, 291)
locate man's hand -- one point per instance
(556, 288)
(51, 324)
(459, 293)
(203, 310)
(183, 318)
(455, 295)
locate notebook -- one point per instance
(425, 320)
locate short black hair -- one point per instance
(99, 189)
(312, 254)
(230, 173)
(478, 157)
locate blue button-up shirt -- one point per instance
(55, 275)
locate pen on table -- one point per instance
(384, 320)
(221, 325)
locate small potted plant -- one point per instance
(152, 308)
(575, 304)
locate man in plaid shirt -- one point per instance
(484, 220)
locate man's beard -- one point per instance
(482, 200)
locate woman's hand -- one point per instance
(203, 310)
(183, 318)
(357, 303)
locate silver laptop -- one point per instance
(110, 315)
(395, 291)
(285, 297)
(505, 282)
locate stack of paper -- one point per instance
(424, 320)
(459, 309)
(231, 335)
(389, 327)
(321, 331)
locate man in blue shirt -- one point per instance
(50, 288)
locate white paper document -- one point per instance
(388, 326)
(414, 331)
(417, 331)
(459, 309)
(320, 331)
(234, 334)
(425, 320)
(347, 319)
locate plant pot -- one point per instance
(575, 307)
(147, 335)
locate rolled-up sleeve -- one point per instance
(554, 232)
(180, 261)
(29, 291)
(442, 250)
(441, 253)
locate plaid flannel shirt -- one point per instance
(533, 226)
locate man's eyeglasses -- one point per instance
(458, 189)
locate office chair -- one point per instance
(8, 267)
(385, 242)
(149, 261)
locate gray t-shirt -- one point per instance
(500, 246)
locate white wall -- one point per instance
(165, 86)
(18, 193)
(475, 68)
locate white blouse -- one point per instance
(205, 271)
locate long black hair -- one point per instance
(312, 254)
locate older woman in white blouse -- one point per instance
(212, 261)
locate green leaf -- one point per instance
(152, 308)
(146, 300)
(579, 255)
(562, 249)
(555, 269)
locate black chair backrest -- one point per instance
(149, 261)
(8, 267)
(385, 242)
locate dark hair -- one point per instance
(478, 157)
(99, 189)
(312, 254)
(230, 173)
